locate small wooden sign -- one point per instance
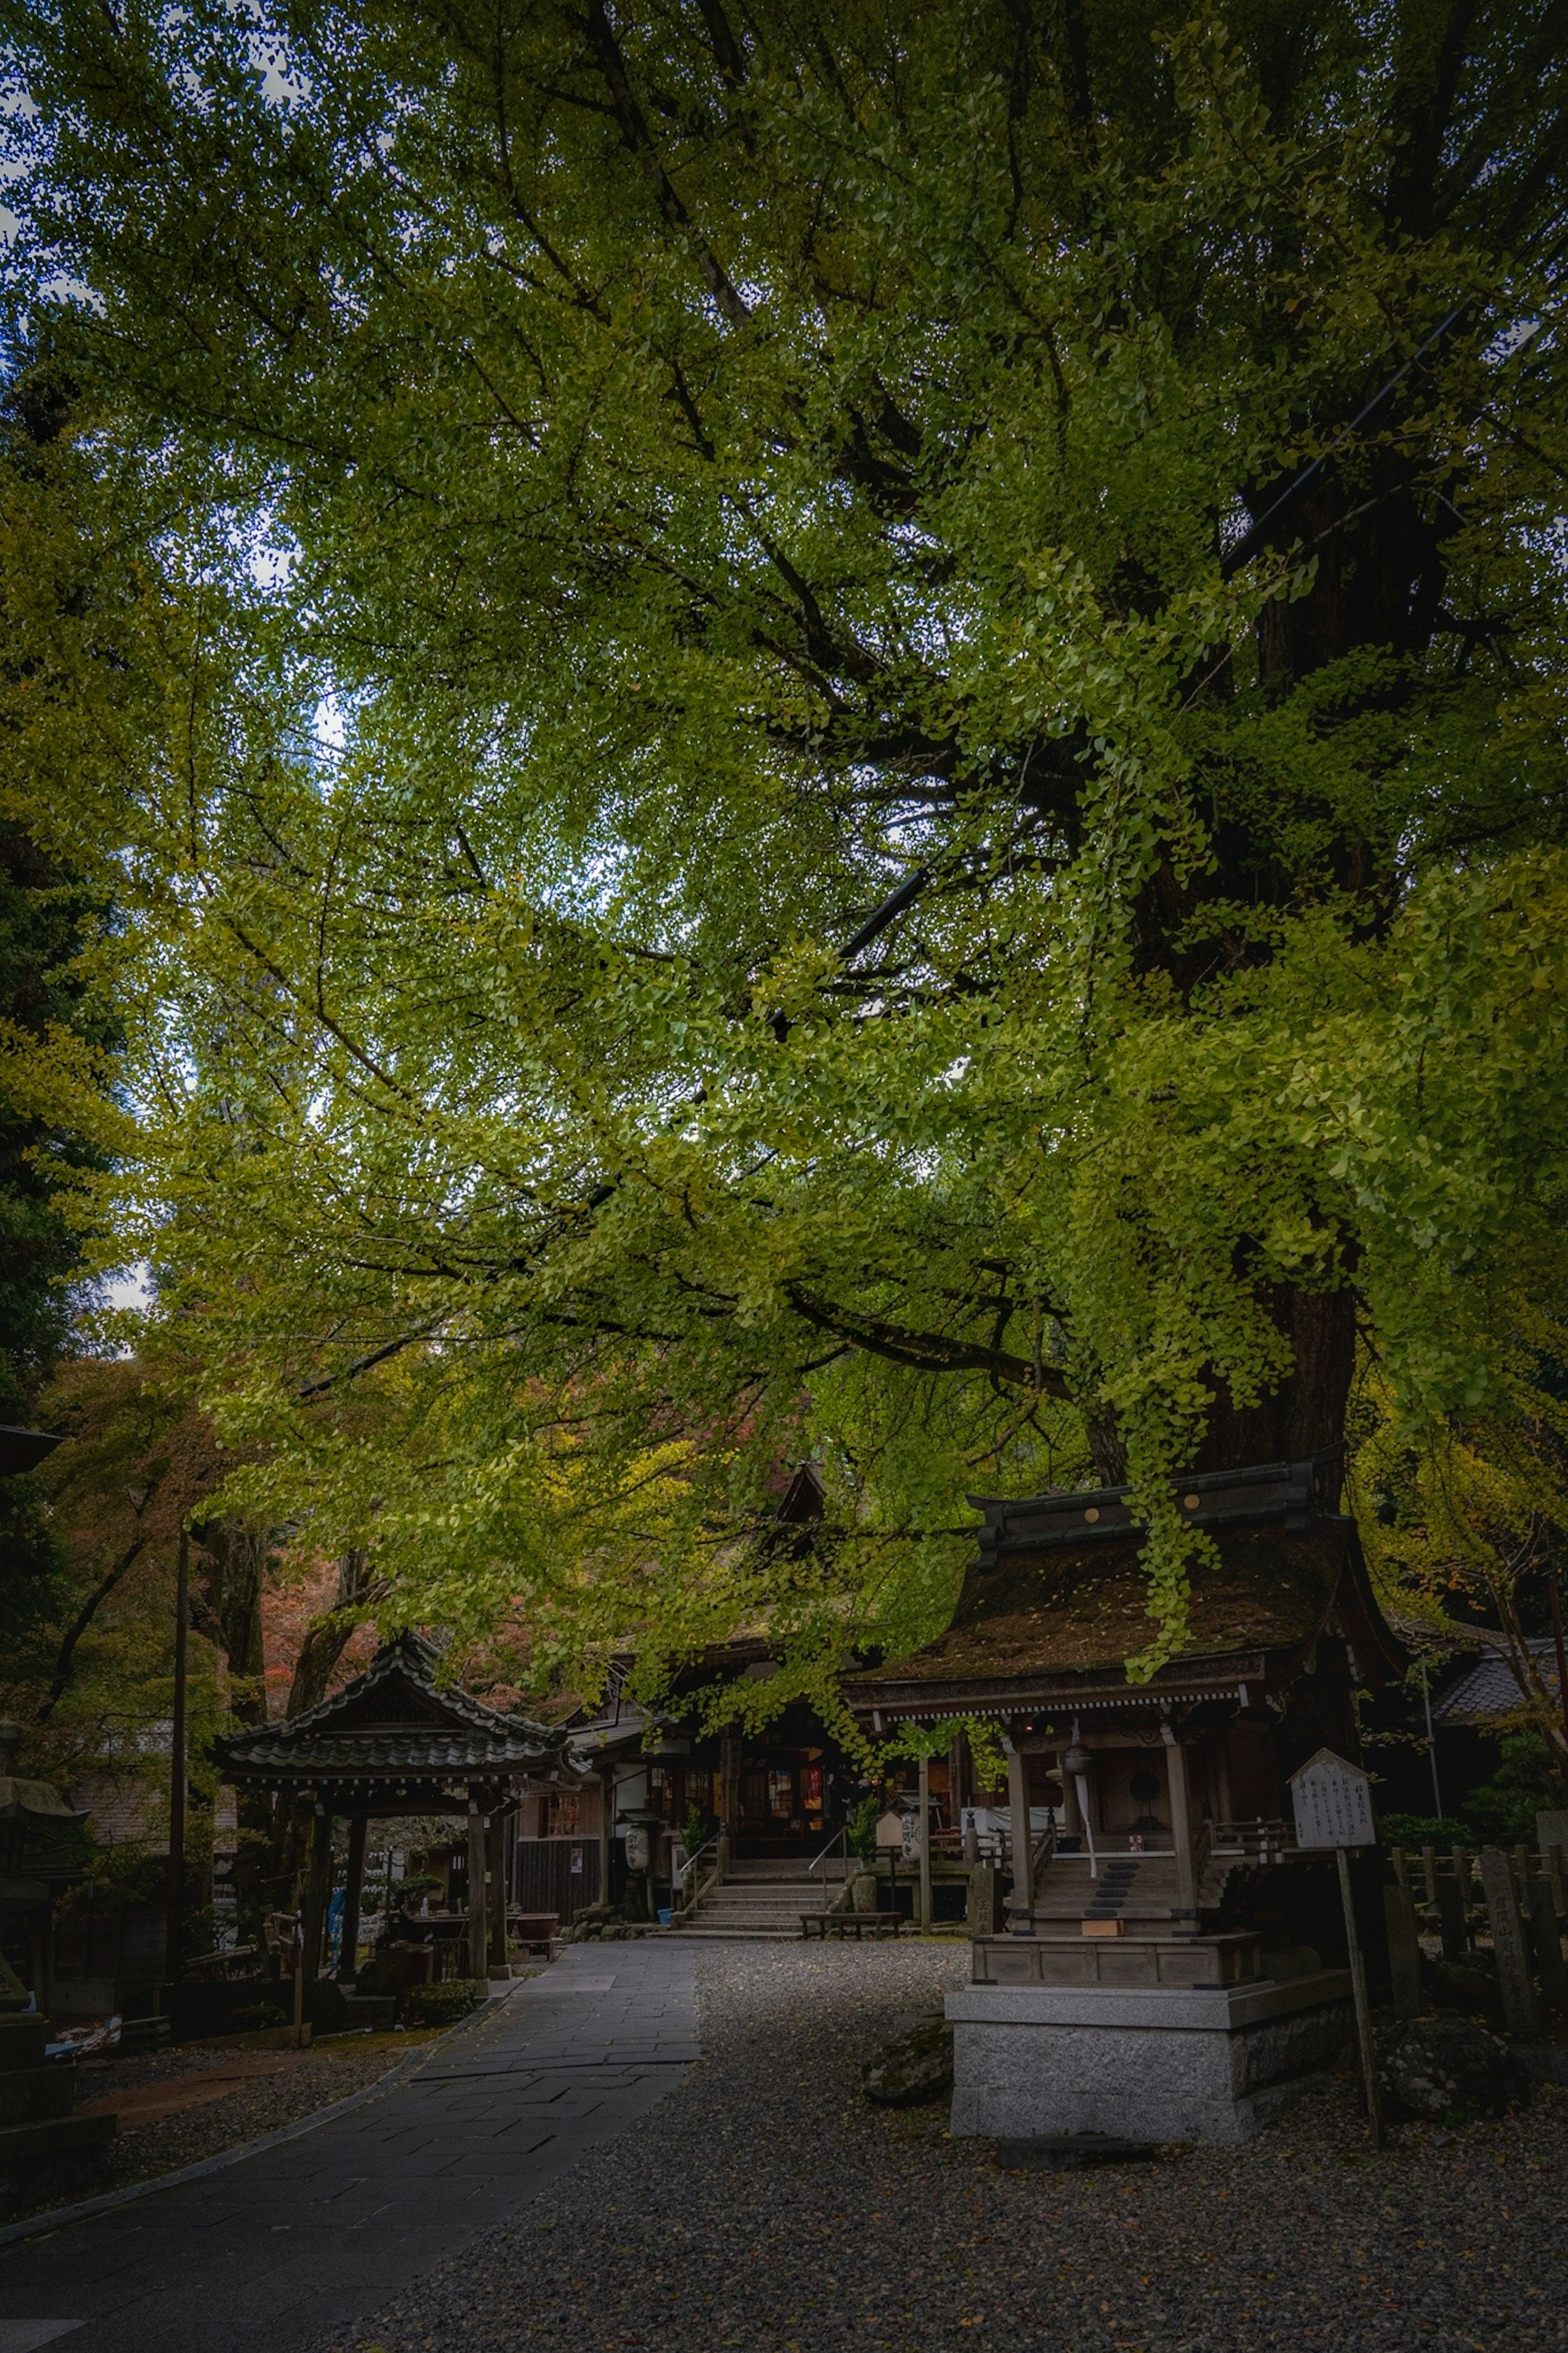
(1332, 1802)
(890, 1830)
(1104, 1927)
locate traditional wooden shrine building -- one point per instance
(1169, 1859)
(396, 1742)
(762, 1803)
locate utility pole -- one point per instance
(175, 1886)
(1431, 1742)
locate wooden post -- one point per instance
(1451, 1918)
(1519, 2009)
(607, 1830)
(1363, 2007)
(1462, 1879)
(1402, 1869)
(318, 1888)
(1184, 1914)
(1553, 1858)
(1430, 1869)
(1021, 1901)
(960, 1775)
(1546, 1937)
(478, 1926)
(1404, 1951)
(1521, 1876)
(501, 1826)
(348, 1950)
(925, 1844)
(174, 1881)
(729, 1801)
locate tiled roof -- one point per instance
(337, 1755)
(1490, 1688)
(1058, 1596)
(396, 1723)
(1083, 1611)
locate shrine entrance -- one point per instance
(786, 1803)
(791, 1788)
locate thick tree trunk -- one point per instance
(1306, 1414)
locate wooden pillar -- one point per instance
(478, 1926)
(1223, 1804)
(496, 1845)
(606, 1829)
(729, 1800)
(925, 1842)
(1185, 1914)
(1021, 1901)
(348, 1951)
(318, 1889)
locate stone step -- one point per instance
(744, 1900)
(738, 1914)
(780, 1898)
(728, 1936)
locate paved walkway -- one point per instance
(264, 2255)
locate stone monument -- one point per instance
(45, 2151)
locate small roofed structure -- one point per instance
(396, 1741)
(1168, 1858)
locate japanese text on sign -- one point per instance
(1332, 1800)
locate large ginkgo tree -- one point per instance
(826, 731)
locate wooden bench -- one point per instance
(855, 1924)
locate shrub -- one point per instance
(863, 1827)
(436, 2005)
(1425, 1830)
(257, 2014)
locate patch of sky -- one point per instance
(1512, 339)
(130, 1290)
(329, 726)
(271, 564)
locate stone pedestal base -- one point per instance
(1208, 2064)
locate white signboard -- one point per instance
(1332, 1800)
(891, 1829)
(636, 1848)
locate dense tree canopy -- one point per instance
(828, 731)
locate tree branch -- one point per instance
(925, 1352)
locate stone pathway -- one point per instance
(768, 2209)
(261, 2256)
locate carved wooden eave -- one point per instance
(395, 1740)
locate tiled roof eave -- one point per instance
(1093, 1688)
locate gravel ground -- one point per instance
(314, 2079)
(264, 2105)
(765, 2207)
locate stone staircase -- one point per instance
(760, 1902)
(1132, 1887)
